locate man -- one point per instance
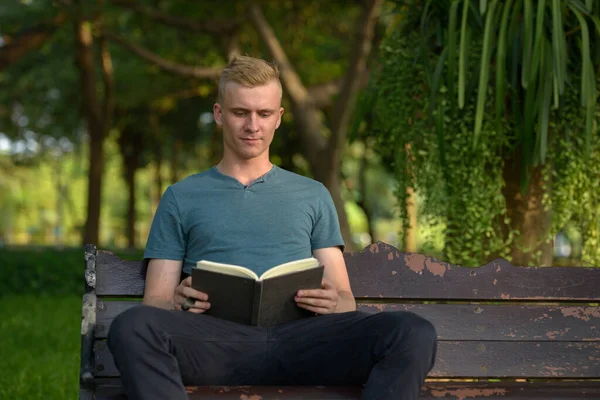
(247, 211)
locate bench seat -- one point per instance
(504, 332)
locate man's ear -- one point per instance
(279, 119)
(217, 113)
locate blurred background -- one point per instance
(461, 129)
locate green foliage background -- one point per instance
(459, 179)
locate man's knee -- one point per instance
(130, 326)
(410, 330)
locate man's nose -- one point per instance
(252, 122)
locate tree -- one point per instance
(491, 153)
(323, 154)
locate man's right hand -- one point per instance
(184, 290)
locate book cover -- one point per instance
(238, 295)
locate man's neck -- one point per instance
(245, 172)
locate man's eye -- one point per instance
(265, 114)
(239, 113)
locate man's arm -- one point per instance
(162, 279)
(164, 290)
(336, 295)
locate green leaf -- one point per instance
(501, 62)
(514, 33)
(559, 45)
(529, 114)
(539, 32)
(583, 8)
(436, 79)
(596, 23)
(439, 130)
(484, 68)
(588, 87)
(462, 56)
(527, 43)
(482, 6)
(545, 78)
(452, 23)
(589, 127)
(588, 80)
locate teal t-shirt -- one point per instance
(278, 218)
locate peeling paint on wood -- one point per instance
(251, 397)
(583, 313)
(436, 268)
(463, 394)
(415, 262)
(88, 313)
(554, 334)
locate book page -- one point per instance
(293, 266)
(228, 269)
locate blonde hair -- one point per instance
(248, 71)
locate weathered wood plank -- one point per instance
(112, 390)
(480, 359)
(463, 321)
(118, 277)
(381, 270)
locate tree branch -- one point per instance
(109, 87)
(322, 94)
(27, 40)
(164, 64)
(85, 61)
(303, 107)
(209, 26)
(344, 104)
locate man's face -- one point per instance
(249, 118)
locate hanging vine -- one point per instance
(413, 98)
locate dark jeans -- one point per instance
(159, 351)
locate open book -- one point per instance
(237, 294)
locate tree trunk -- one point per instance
(98, 116)
(130, 170)
(176, 150)
(362, 192)
(324, 155)
(410, 235)
(95, 125)
(158, 159)
(527, 215)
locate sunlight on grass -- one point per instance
(39, 344)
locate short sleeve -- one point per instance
(166, 238)
(326, 229)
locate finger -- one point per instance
(198, 306)
(314, 302)
(193, 293)
(317, 293)
(318, 310)
(187, 282)
(201, 305)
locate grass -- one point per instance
(39, 343)
(40, 319)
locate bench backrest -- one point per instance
(494, 321)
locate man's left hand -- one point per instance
(320, 301)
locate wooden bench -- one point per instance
(504, 331)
